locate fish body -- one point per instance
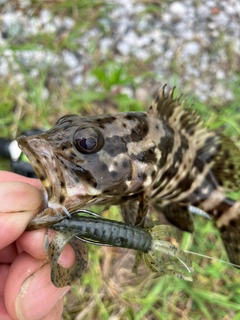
(163, 159)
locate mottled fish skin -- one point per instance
(164, 158)
(123, 164)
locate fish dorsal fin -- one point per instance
(210, 146)
(164, 105)
(173, 110)
(183, 119)
(226, 166)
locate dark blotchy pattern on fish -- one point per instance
(163, 159)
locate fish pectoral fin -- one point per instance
(135, 210)
(230, 236)
(178, 215)
(226, 165)
(142, 210)
(129, 211)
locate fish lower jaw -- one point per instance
(59, 208)
(47, 217)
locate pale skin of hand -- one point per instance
(26, 291)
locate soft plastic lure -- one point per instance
(61, 276)
(152, 244)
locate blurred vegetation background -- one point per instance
(94, 57)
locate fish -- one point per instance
(163, 160)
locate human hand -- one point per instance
(26, 291)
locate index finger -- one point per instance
(20, 202)
(10, 176)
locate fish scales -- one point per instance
(163, 159)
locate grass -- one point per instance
(108, 289)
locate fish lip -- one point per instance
(37, 151)
(50, 167)
(59, 183)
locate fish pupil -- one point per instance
(87, 144)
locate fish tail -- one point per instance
(229, 226)
(226, 213)
(164, 257)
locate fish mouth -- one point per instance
(54, 171)
(61, 192)
(44, 163)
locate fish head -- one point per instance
(87, 160)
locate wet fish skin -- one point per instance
(163, 159)
(116, 172)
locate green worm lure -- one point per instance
(151, 243)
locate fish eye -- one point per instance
(88, 140)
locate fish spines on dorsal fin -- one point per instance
(174, 111)
(169, 95)
(162, 91)
(190, 120)
(165, 105)
(181, 118)
(158, 102)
